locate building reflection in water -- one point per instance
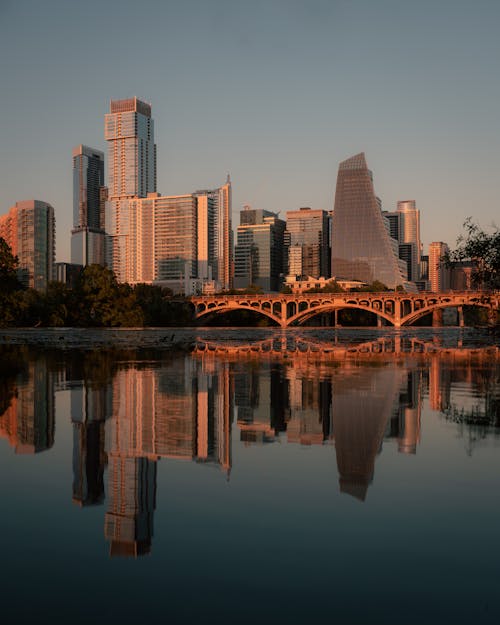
(28, 422)
(133, 413)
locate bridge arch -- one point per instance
(332, 307)
(222, 309)
(436, 305)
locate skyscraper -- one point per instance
(87, 236)
(215, 222)
(438, 273)
(129, 131)
(258, 255)
(29, 230)
(362, 248)
(410, 233)
(308, 231)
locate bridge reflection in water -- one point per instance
(129, 411)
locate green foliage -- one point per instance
(8, 269)
(481, 248)
(102, 301)
(331, 287)
(374, 287)
(160, 309)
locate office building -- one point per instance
(362, 248)
(410, 234)
(87, 236)
(307, 243)
(438, 272)
(129, 131)
(258, 254)
(29, 230)
(394, 221)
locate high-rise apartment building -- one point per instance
(29, 230)
(307, 243)
(87, 236)
(215, 234)
(258, 254)
(439, 274)
(362, 248)
(129, 131)
(410, 233)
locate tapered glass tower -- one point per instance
(362, 248)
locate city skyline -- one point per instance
(287, 95)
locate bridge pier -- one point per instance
(437, 318)
(460, 310)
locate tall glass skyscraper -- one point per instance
(87, 236)
(362, 248)
(129, 131)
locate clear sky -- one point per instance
(276, 92)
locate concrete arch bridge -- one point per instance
(398, 309)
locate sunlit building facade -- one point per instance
(410, 234)
(87, 236)
(362, 248)
(29, 230)
(258, 254)
(129, 131)
(307, 243)
(439, 274)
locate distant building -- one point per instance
(258, 254)
(87, 236)
(362, 248)
(29, 230)
(67, 273)
(307, 242)
(300, 284)
(439, 274)
(394, 220)
(461, 276)
(410, 234)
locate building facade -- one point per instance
(362, 248)
(258, 254)
(129, 131)
(87, 236)
(439, 274)
(410, 234)
(29, 230)
(307, 243)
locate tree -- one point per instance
(8, 269)
(104, 302)
(483, 250)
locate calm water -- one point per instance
(293, 478)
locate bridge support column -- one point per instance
(437, 318)
(492, 317)
(460, 310)
(336, 317)
(379, 321)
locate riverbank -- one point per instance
(188, 338)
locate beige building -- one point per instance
(439, 274)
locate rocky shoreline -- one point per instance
(186, 339)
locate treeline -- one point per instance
(95, 300)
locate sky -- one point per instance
(275, 92)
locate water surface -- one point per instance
(294, 477)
